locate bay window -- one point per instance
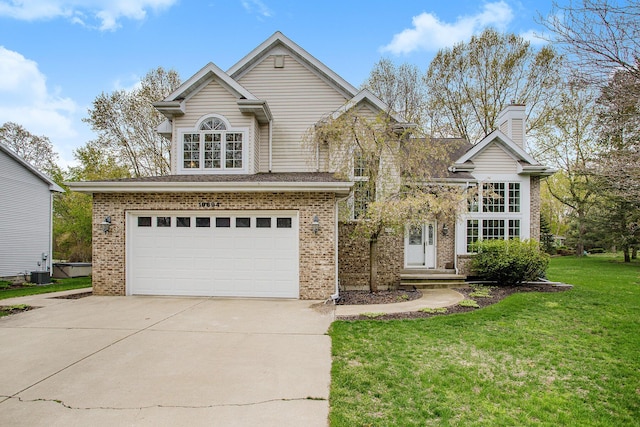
(493, 212)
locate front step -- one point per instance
(430, 279)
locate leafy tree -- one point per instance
(471, 83)
(126, 123)
(619, 122)
(34, 149)
(72, 221)
(569, 141)
(390, 169)
(546, 236)
(602, 38)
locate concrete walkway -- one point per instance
(431, 298)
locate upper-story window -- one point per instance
(497, 197)
(493, 212)
(213, 147)
(361, 193)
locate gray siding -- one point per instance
(25, 219)
(494, 160)
(213, 99)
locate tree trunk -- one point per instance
(627, 253)
(582, 230)
(373, 264)
(634, 252)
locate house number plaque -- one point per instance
(209, 204)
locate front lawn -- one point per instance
(567, 358)
(7, 291)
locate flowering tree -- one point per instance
(392, 170)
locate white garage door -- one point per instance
(221, 253)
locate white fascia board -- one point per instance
(497, 136)
(213, 187)
(208, 71)
(367, 96)
(260, 108)
(242, 66)
(536, 170)
(165, 128)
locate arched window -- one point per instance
(213, 123)
(213, 146)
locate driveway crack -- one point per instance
(139, 408)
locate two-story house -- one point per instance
(246, 213)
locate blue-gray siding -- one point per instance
(25, 219)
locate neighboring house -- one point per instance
(252, 211)
(26, 198)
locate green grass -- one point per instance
(7, 310)
(59, 285)
(534, 359)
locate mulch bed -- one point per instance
(498, 293)
(16, 309)
(75, 296)
(380, 297)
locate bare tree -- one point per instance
(126, 123)
(401, 87)
(469, 84)
(34, 149)
(600, 36)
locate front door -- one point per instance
(420, 246)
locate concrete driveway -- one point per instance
(160, 361)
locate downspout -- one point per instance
(270, 143)
(49, 265)
(335, 296)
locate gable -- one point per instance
(14, 168)
(279, 44)
(212, 98)
(494, 159)
(298, 98)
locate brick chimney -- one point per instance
(512, 122)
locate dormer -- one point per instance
(214, 125)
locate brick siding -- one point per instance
(317, 251)
(353, 255)
(535, 208)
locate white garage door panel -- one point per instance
(213, 261)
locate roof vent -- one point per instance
(278, 61)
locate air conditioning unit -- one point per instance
(40, 277)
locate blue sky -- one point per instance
(56, 56)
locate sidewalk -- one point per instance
(431, 298)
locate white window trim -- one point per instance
(524, 216)
(352, 197)
(222, 170)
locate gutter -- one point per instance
(341, 187)
(270, 144)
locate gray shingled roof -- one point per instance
(259, 177)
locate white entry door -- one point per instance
(420, 246)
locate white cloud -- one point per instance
(536, 38)
(430, 34)
(25, 99)
(257, 7)
(102, 14)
